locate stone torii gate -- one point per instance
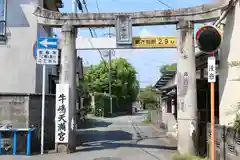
(183, 18)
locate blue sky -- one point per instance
(146, 62)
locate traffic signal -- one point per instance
(208, 39)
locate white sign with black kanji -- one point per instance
(62, 113)
(47, 56)
(211, 69)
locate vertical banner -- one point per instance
(62, 113)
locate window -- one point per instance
(3, 19)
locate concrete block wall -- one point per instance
(14, 110)
(24, 110)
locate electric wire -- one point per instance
(109, 29)
(165, 4)
(94, 34)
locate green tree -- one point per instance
(149, 96)
(124, 81)
(168, 67)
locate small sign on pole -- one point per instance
(123, 30)
(62, 113)
(211, 69)
(47, 54)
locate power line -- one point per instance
(110, 65)
(93, 33)
(160, 1)
(97, 6)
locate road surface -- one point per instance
(119, 138)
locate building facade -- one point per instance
(19, 31)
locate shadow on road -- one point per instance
(91, 140)
(93, 123)
(114, 145)
(96, 135)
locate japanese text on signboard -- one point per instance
(62, 117)
(155, 42)
(49, 57)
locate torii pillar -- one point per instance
(68, 76)
(186, 89)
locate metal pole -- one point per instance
(110, 79)
(212, 118)
(43, 108)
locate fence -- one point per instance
(227, 142)
(7, 142)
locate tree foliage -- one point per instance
(149, 97)
(124, 82)
(168, 67)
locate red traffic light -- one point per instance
(208, 39)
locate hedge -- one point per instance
(102, 101)
(125, 105)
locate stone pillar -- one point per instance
(229, 68)
(68, 76)
(186, 89)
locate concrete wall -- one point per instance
(14, 110)
(24, 111)
(168, 120)
(155, 116)
(229, 85)
(19, 72)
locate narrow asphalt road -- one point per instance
(119, 138)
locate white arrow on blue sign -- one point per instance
(47, 43)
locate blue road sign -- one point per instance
(47, 43)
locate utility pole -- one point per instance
(110, 74)
(109, 54)
(110, 78)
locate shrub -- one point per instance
(178, 156)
